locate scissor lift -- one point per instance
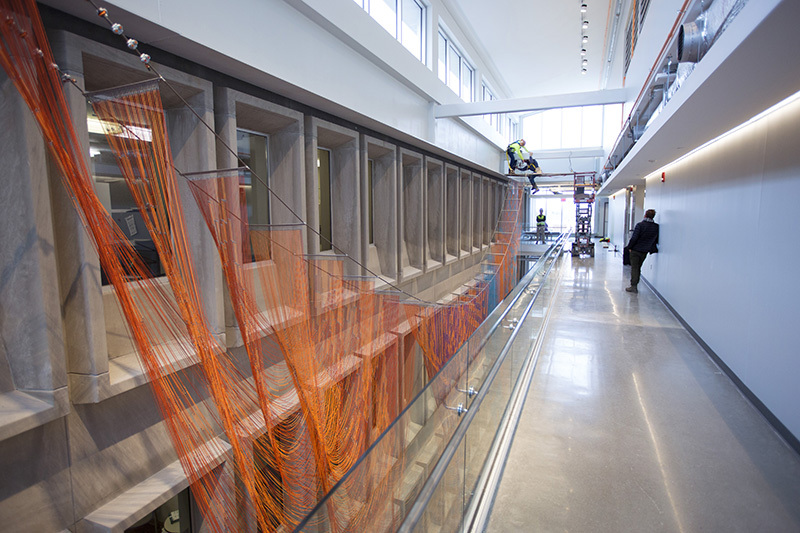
(583, 193)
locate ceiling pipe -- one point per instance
(696, 37)
(612, 43)
(614, 158)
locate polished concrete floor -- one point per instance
(630, 426)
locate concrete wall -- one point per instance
(434, 196)
(381, 254)
(332, 44)
(82, 442)
(728, 250)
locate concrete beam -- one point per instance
(533, 103)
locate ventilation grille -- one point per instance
(638, 12)
(628, 45)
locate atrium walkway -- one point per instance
(630, 426)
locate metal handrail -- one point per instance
(431, 484)
(526, 280)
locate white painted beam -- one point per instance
(574, 153)
(533, 103)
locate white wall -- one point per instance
(729, 251)
(616, 220)
(326, 53)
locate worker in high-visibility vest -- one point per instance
(533, 166)
(516, 161)
(541, 226)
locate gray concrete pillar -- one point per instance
(78, 263)
(193, 149)
(452, 212)
(32, 348)
(435, 209)
(381, 253)
(465, 211)
(412, 215)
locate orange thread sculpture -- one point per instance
(314, 378)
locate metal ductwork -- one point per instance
(697, 36)
(707, 20)
(691, 43)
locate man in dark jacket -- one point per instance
(643, 241)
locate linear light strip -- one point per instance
(764, 114)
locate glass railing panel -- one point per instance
(483, 428)
(488, 421)
(489, 338)
(378, 491)
(445, 509)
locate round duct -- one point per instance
(690, 43)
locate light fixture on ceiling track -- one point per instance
(584, 37)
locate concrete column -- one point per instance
(381, 253)
(193, 150)
(346, 203)
(37, 490)
(32, 353)
(287, 166)
(411, 212)
(435, 210)
(343, 145)
(452, 212)
(486, 210)
(225, 128)
(465, 210)
(477, 218)
(78, 263)
(312, 191)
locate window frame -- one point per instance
(137, 233)
(464, 65)
(266, 176)
(536, 141)
(370, 202)
(397, 32)
(423, 52)
(325, 231)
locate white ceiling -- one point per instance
(752, 66)
(535, 44)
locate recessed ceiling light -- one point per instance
(585, 25)
(585, 62)
(585, 39)
(583, 8)
(583, 70)
(583, 52)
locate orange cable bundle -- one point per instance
(148, 309)
(332, 331)
(323, 382)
